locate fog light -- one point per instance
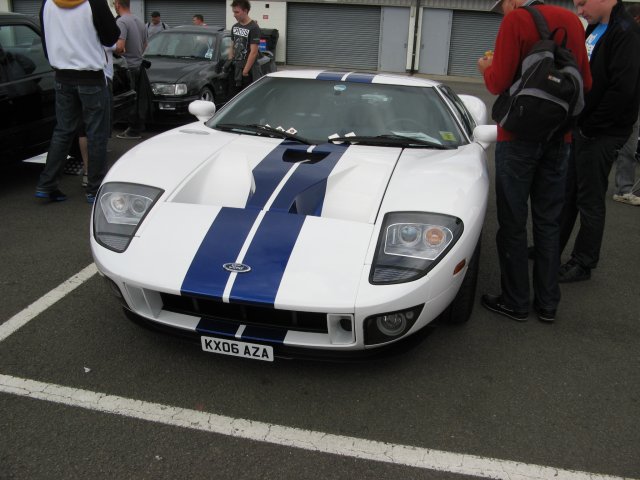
(385, 327)
(167, 106)
(392, 324)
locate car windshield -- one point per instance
(182, 45)
(320, 110)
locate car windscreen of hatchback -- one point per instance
(182, 45)
(318, 111)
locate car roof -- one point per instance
(18, 18)
(356, 77)
(213, 29)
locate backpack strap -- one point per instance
(541, 23)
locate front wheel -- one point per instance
(206, 94)
(460, 309)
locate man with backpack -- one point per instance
(611, 109)
(528, 165)
(155, 25)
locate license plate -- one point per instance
(234, 348)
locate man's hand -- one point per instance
(485, 62)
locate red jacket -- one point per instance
(517, 34)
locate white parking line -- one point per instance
(36, 308)
(291, 437)
(416, 457)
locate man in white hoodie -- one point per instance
(74, 33)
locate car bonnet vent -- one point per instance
(295, 155)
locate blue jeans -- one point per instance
(536, 171)
(626, 163)
(74, 104)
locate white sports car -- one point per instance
(317, 213)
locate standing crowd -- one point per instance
(560, 179)
(79, 39)
(564, 177)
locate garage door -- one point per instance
(472, 34)
(28, 7)
(180, 13)
(346, 36)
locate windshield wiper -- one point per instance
(266, 129)
(391, 140)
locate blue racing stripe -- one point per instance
(221, 245)
(264, 334)
(306, 188)
(209, 326)
(267, 256)
(361, 77)
(334, 76)
(268, 174)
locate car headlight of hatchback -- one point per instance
(169, 88)
(411, 244)
(119, 211)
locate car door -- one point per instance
(27, 96)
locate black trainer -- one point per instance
(545, 314)
(496, 304)
(572, 271)
(52, 196)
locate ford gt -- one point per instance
(318, 213)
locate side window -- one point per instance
(460, 110)
(224, 47)
(21, 53)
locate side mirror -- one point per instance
(476, 107)
(202, 109)
(485, 135)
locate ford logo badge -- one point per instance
(236, 267)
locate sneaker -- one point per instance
(628, 198)
(545, 314)
(497, 305)
(53, 196)
(572, 271)
(91, 198)
(85, 180)
(129, 134)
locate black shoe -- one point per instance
(52, 196)
(545, 314)
(496, 304)
(572, 271)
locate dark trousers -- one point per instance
(136, 124)
(535, 171)
(76, 104)
(586, 190)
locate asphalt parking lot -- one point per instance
(85, 392)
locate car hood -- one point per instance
(173, 70)
(302, 219)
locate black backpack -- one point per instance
(548, 97)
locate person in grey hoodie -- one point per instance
(74, 33)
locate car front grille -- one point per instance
(246, 314)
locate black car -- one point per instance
(188, 63)
(27, 89)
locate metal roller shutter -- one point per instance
(28, 7)
(346, 36)
(472, 34)
(180, 13)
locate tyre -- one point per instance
(206, 94)
(460, 309)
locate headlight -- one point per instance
(169, 88)
(411, 244)
(119, 210)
